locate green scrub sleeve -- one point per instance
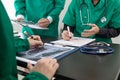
(35, 76)
(69, 18)
(20, 7)
(59, 5)
(21, 44)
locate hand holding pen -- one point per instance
(66, 34)
(34, 40)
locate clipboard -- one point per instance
(49, 50)
(29, 24)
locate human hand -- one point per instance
(46, 66)
(44, 22)
(28, 68)
(94, 30)
(35, 41)
(67, 35)
(20, 19)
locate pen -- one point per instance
(68, 29)
(29, 35)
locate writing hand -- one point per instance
(66, 35)
(35, 41)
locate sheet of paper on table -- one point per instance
(75, 41)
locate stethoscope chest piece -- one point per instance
(103, 19)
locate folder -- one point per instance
(49, 50)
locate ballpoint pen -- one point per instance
(68, 29)
(29, 35)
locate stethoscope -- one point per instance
(97, 48)
(103, 19)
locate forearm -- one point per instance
(108, 33)
(19, 7)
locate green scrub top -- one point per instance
(95, 13)
(34, 10)
(8, 47)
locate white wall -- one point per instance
(11, 12)
(63, 13)
(8, 4)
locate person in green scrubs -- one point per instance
(99, 19)
(44, 69)
(44, 12)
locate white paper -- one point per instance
(75, 41)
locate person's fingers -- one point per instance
(35, 43)
(44, 60)
(26, 70)
(88, 31)
(46, 66)
(65, 35)
(20, 19)
(92, 25)
(56, 65)
(52, 61)
(45, 24)
(38, 43)
(85, 34)
(29, 66)
(43, 21)
(36, 37)
(40, 20)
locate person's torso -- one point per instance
(88, 13)
(37, 9)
